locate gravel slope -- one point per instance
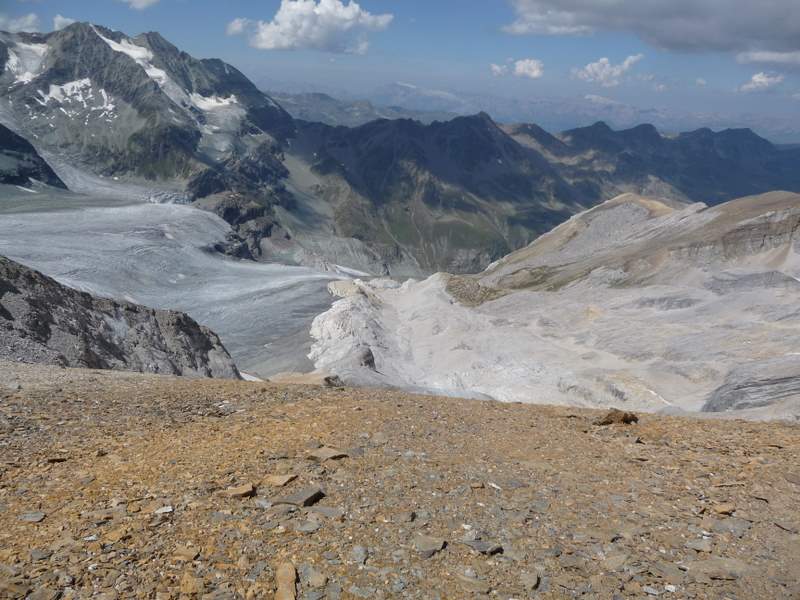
(123, 485)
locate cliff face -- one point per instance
(42, 321)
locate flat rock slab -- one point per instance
(32, 517)
(279, 480)
(305, 497)
(482, 547)
(718, 568)
(327, 453)
(242, 491)
(427, 546)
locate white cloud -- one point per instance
(532, 68)
(659, 87)
(140, 4)
(328, 25)
(700, 82)
(59, 22)
(761, 81)
(237, 26)
(695, 25)
(29, 22)
(777, 58)
(529, 67)
(604, 73)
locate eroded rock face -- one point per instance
(635, 304)
(757, 384)
(42, 321)
(20, 163)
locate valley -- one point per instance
(474, 258)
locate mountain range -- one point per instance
(393, 196)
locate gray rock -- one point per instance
(304, 497)
(32, 517)
(427, 546)
(359, 555)
(50, 323)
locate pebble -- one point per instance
(32, 517)
(427, 546)
(280, 480)
(359, 555)
(242, 491)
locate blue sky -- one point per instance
(686, 54)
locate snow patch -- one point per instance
(212, 102)
(25, 61)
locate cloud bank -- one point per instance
(693, 25)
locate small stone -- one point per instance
(285, 578)
(701, 545)
(473, 584)
(379, 439)
(726, 508)
(329, 512)
(280, 480)
(191, 585)
(37, 555)
(718, 568)
(483, 547)
(530, 581)
(651, 591)
(315, 579)
(44, 593)
(734, 526)
(164, 510)
(793, 477)
(32, 517)
(307, 526)
(185, 553)
(242, 491)
(358, 555)
(617, 417)
(305, 497)
(427, 546)
(326, 453)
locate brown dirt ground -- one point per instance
(670, 507)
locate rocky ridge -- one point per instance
(639, 303)
(42, 321)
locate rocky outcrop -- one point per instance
(20, 163)
(42, 321)
(639, 304)
(757, 384)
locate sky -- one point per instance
(732, 56)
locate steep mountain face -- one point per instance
(454, 195)
(42, 321)
(21, 165)
(638, 303)
(701, 165)
(133, 106)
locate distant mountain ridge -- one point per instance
(323, 108)
(394, 196)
